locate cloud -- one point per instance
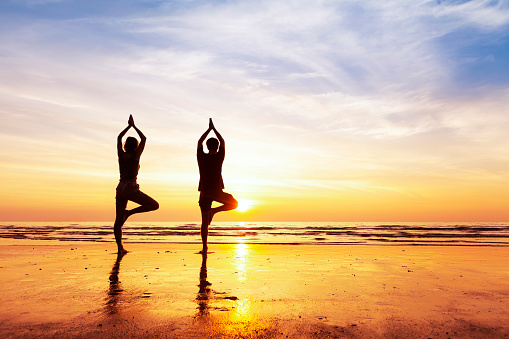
(484, 14)
(301, 90)
(311, 47)
(36, 2)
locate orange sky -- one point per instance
(325, 119)
(60, 186)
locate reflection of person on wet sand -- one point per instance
(204, 292)
(128, 188)
(115, 289)
(211, 181)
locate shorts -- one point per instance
(207, 197)
(130, 190)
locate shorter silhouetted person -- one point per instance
(128, 188)
(211, 181)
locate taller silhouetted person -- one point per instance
(128, 188)
(211, 181)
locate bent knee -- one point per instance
(155, 205)
(234, 204)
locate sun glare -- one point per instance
(244, 205)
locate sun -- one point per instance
(244, 205)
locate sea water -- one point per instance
(331, 233)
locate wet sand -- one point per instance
(253, 291)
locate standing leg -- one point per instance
(204, 230)
(120, 218)
(205, 203)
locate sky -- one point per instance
(331, 110)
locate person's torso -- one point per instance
(129, 166)
(210, 166)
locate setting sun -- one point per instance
(244, 205)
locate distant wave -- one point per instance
(480, 234)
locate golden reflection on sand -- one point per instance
(221, 313)
(241, 255)
(243, 311)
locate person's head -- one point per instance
(131, 144)
(212, 145)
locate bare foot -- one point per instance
(204, 250)
(122, 251)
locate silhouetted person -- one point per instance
(211, 181)
(128, 188)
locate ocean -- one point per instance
(316, 233)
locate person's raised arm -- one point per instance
(202, 138)
(143, 138)
(219, 137)
(120, 149)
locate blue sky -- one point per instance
(396, 41)
(366, 91)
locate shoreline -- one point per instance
(251, 290)
(53, 242)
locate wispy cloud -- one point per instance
(326, 91)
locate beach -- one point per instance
(73, 289)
